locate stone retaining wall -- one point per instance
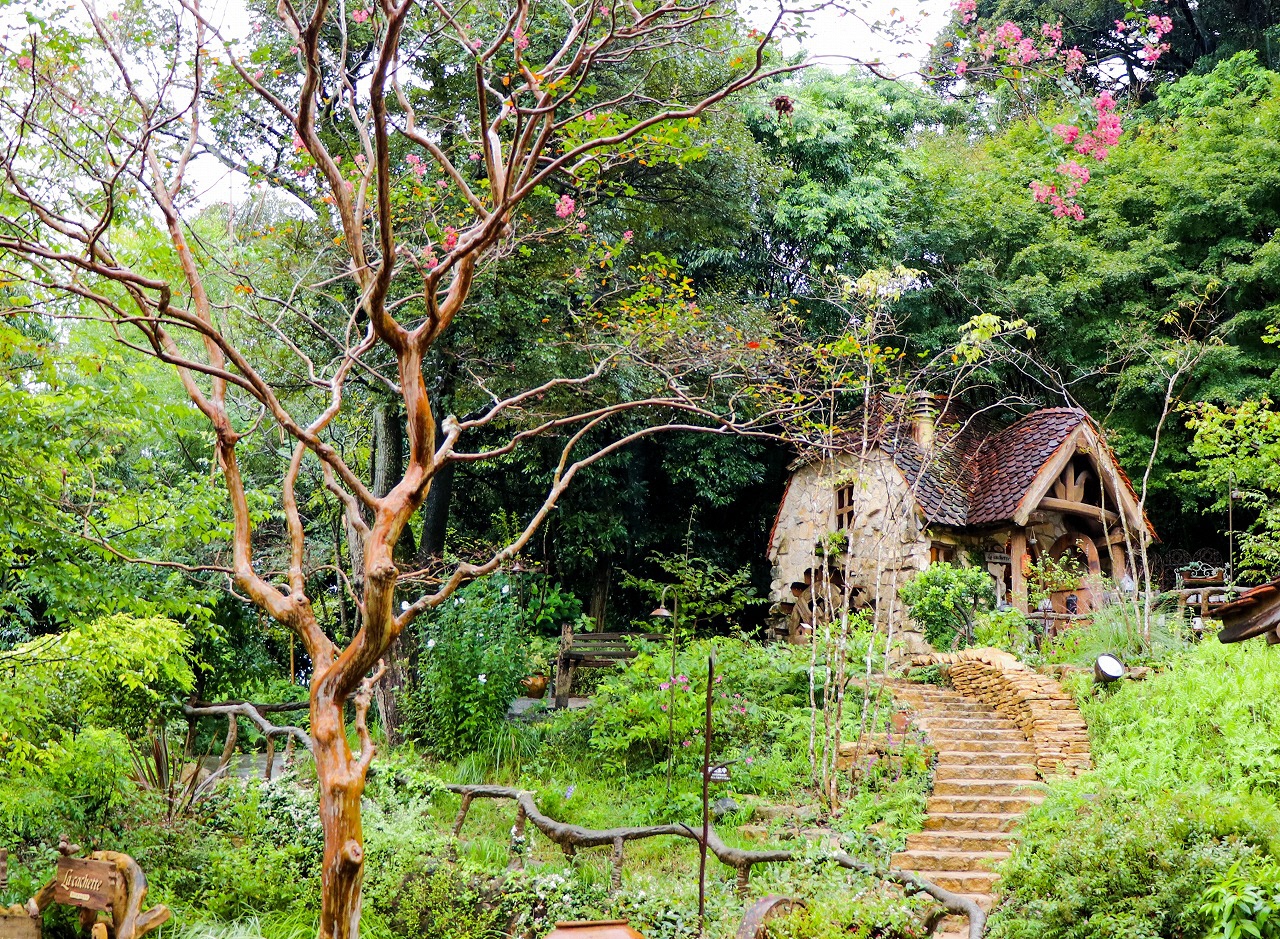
(1035, 702)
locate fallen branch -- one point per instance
(252, 712)
(571, 837)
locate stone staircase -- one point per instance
(985, 779)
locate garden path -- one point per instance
(984, 780)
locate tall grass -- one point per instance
(1117, 629)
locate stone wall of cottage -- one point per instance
(884, 542)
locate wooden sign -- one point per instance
(18, 925)
(998, 557)
(90, 885)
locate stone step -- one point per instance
(1025, 772)
(994, 758)
(941, 735)
(984, 787)
(983, 805)
(972, 821)
(947, 860)
(982, 746)
(959, 841)
(971, 882)
(967, 723)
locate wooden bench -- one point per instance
(592, 650)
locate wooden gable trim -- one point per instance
(1045, 479)
(1083, 439)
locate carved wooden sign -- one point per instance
(998, 557)
(80, 882)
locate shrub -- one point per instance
(472, 654)
(640, 708)
(944, 600)
(1119, 865)
(1004, 629)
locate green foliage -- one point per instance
(1117, 629)
(1004, 629)
(944, 600)
(1245, 902)
(1238, 449)
(639, 709)
(704, 592)
(1184, 797)
(118, 672)
(1114, 865)
(472, 654)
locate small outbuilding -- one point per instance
(922, 479)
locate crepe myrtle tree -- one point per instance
(421, 179)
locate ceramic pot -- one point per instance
(535, 685)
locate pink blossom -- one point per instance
(1160, 24)
(1069, 210)
(297, 143)
(578, 274)
(474, 157)
(582, 228)
(450, 238)
(115, 15)
(1077, 175)
(662, 706)
(1008, 33)
(433, 262)
(604, 11)
(1074, 60)
(413, 158)
(420, 169)
(477, 45)
(1041, 191)
(1150, 54)
(961, 68)
(967, 10)
(1052, 31)
(589, 116)
(441, 184)
(520, 39)
(294, 50)
(24, 62)
(1027, 50)
(749, 760)
(1068, 132)
(360, 15)
(627, 236)
(258, 75)
(687, 743)
(1121, 27)
(664, 686)
(1104, 103)
(564, 208)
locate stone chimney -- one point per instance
(923, 413)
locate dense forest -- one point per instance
(314, 443)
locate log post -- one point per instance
(518, 843)
(1018, 557)
(615, 879)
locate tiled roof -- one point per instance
(1007, 463)
(978, 471)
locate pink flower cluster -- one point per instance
(968, 10)
(1149, 32)
(520, 39)
(1074, 176)
(361, 16)
(419, 167)
(564, 206)
(1106, 134)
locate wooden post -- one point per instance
(1018, 557)
(564, 669)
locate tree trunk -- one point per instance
(598, 606)
(387, 460)
(341, 782)
(435, 515)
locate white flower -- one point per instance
(404, 604)
(481, 678)
(506, 589)
(431, 643)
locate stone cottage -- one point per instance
(921, 479)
